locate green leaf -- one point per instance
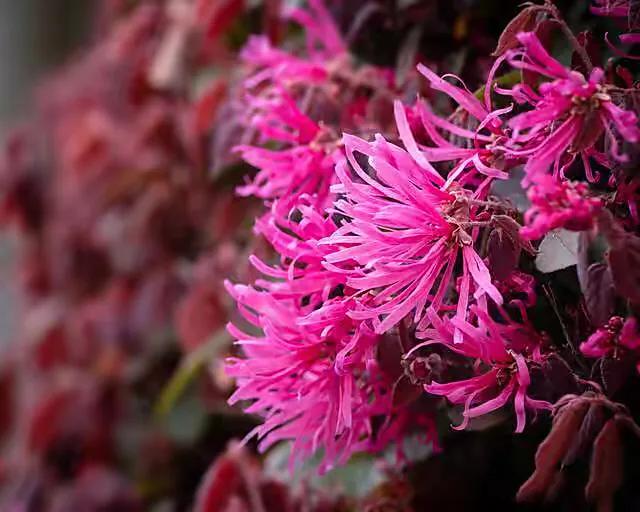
(189, 369)
(507, 80)
(356, 479)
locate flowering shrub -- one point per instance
(411, 247)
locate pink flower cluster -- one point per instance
(558, 204)
(617, 335)
(385, 235)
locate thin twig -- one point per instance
(551, 8)
(554, 306)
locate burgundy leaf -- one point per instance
(552, 450)
(525, 21)
(615, 372)
(623, 257)
(606, 468)
(625, 270)
(220, 484)
(589, 134)
(592, 423)
(634, 14)
(216, 17)
(198, 315)
(599, 293)
(503, 254)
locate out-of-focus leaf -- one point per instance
(625, 269)
(407, 55)
(634, 14)
(186, 420)
(356, 478)
(217, 16)
(552, 380)
(220, 484)
(207, 106)
(558, 250)
(507, 80)
(505, 246)
(198, 314)
(511, 189)
(405, 4)
(189, 369)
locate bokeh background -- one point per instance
(36, 36)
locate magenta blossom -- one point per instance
(311, 374)
(479, 155)
(519, 285)
(617, 336)
(570, 114)
(403, 236)
(299, 105)
(304, 168)
(501, 354)
(558, 204)
(304, 158)
(300, 272)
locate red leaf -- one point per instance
(623, 257)
(606, 468)
(634, 14)
(552, 451)
(220, 484)
(46, 420)
(599, 293)
(207, 107)
(217, 16)
(198, 316)
(525, 21)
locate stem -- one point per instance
(580, 50)
(403, 336)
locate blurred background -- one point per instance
(36, 36)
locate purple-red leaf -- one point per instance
(525, 21)
(552, 451)
(599, 293)
(606, 468)
(634, 14)
(623, 257)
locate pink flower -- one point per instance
(299, 105)
(305, 167)
(300, 272)
(558, 204)
(402, 236)
(570, 113)
(278, 99)
(323, 37)
(479, 154)
(520, 285)
(617, 335)
(311, 374)
(500, 354)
